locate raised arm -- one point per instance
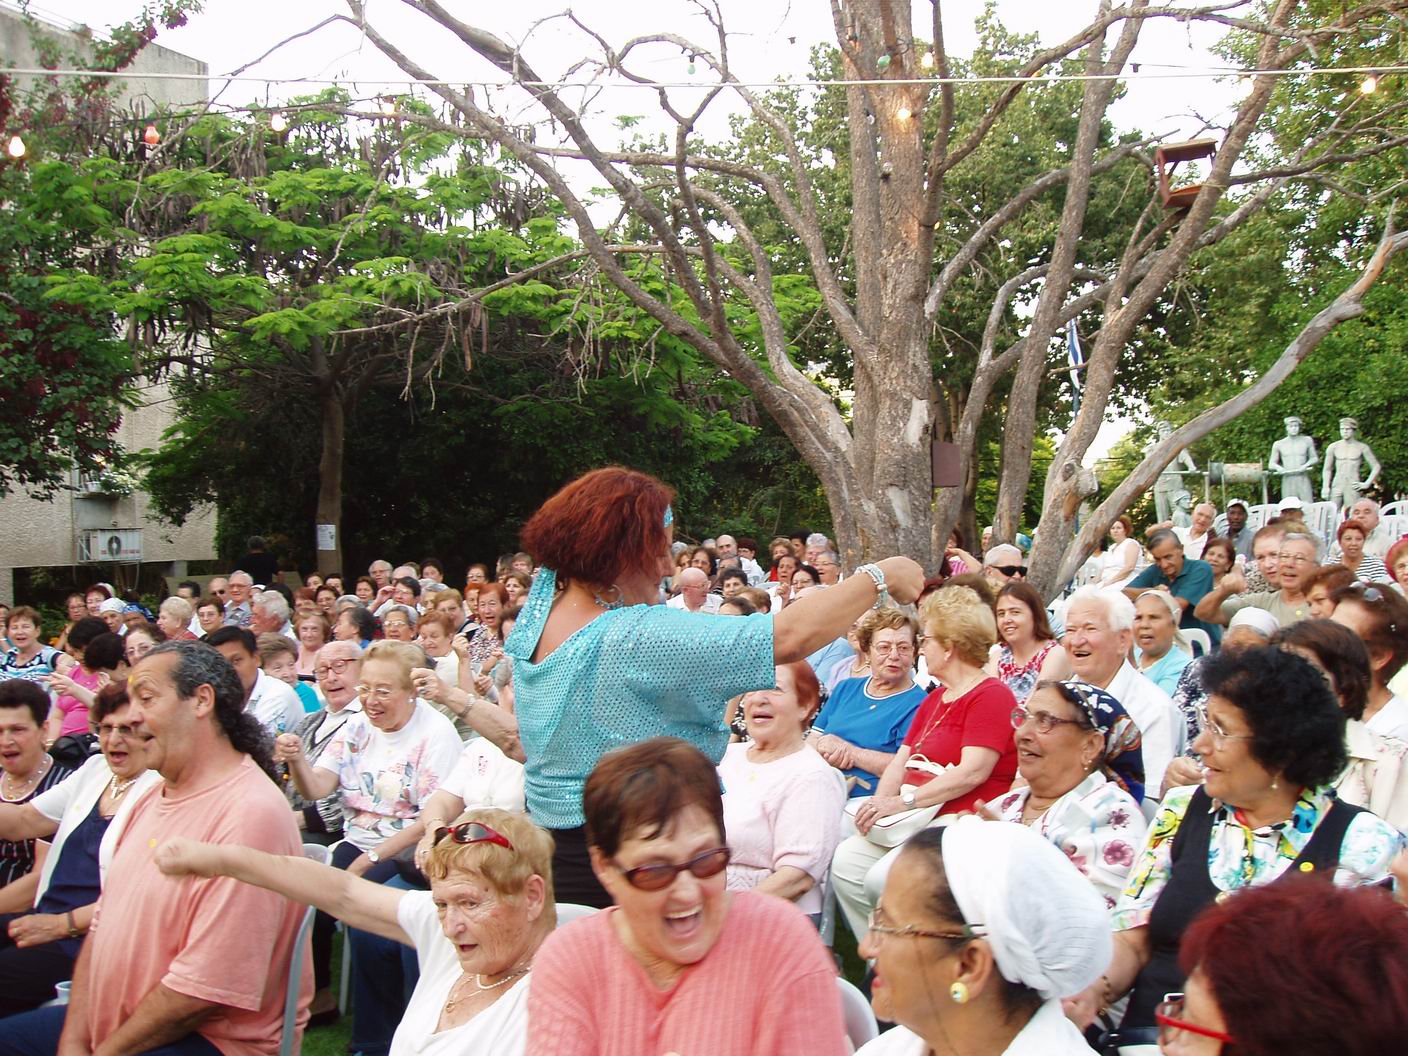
(487, 719)
(20, 821)
(356, 902)
(312, 782)
(822, 616)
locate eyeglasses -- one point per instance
(1044, 720)
(472, 832)
(1169, 1016)
(1295, 559)
(878, 927)
(381, 693)
(333, 667)
(1010, 570)
(107, 730)
(660, 875)
(1217, 733)
(885, 649)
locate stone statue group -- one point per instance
(1293, 460)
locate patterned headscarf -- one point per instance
(1124, 760)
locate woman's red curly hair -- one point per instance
(604, 523)
(1302, 967)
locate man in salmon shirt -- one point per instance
(188, 967)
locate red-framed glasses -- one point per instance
(1169, 1016)
(472, 832)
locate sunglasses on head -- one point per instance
(660, 875)
(472, 832)
(1374, 596)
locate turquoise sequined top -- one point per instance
(631, 673)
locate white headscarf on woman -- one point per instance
(1047, 927)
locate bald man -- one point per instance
(694, 593)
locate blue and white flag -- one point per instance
(1077, 360)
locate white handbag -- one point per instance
(894, 829)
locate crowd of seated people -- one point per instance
(1048, 828)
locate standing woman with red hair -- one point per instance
(599, 663)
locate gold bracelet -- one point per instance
(74, 931)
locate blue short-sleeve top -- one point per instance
(631, 673)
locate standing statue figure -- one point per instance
(1343, 459)
(1171, 479)
(1182, 515)
(1292, 458)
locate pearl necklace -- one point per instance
(35, 777)
(117, 789)
(455, 998)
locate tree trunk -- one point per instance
(334, 423)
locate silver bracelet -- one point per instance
(882, 593)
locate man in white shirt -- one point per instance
(694, 593)
(1196, 536)
(1099, 628)
(271, 615)
(727, 546)
(272, 702)
(1376, 540)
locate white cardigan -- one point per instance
(72, 800)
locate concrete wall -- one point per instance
(44, 534)
(145, 94)
(36, 533)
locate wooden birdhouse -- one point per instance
(1168, 158)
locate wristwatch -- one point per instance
(373, 857)
(907, 798)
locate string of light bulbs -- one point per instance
(1370, 77)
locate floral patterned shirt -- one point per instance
(385, 778)
(1097, 824)
(1239, 856)
(1021, 679)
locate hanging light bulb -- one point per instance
(1369, 85)
(16, 149)
(151, 137)
(387, 106)
(883, 62)
(904, 113)
(690, 68)
(277, 121)
(927, 60)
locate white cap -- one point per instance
(1291, 503)
(113, 605)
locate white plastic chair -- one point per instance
(1198, 638)
(1393, 509)
(1395, 525)
(287, 1045)
(826, 927)
(570, 911)
(861, 1026)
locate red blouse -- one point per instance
(981, 718)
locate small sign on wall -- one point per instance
(327, 537)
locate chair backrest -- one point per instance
(1394, 509)
(856, 1012)
(1198, 638)
(288, 1044)
(1322, 518)
(1258, 515)
(570, 911)
(1395, 525)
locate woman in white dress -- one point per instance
(475, 932)
(1122, 559)
(982, 928)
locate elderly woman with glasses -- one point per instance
(678, 963)
(958, 751)
(47, 912)
(1272, 742)
(385, 763)
(981, 929)
(1078, 752)
(475, 932)
(1268, 974)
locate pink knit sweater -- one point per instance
(767, 988)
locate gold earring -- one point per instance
(959, 993)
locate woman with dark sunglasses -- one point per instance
(475, 932)
(678, 964)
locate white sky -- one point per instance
(231, 33)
